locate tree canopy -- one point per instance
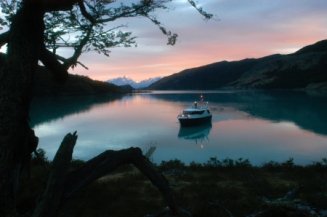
(83, 26)
(35, 30)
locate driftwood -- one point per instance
(52, 196)
(63, 184)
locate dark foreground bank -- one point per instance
(216, 188)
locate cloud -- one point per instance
(242, 29)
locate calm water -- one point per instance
(259, 126)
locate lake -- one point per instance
(257, 125)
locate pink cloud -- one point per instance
(244, 31)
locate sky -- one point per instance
(240, 29)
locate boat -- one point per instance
(197, 114)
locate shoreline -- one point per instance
(218, 188)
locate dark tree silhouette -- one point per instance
(36, 30)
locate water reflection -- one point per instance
(50, 109)
(308, 111)
(259, 126)
(198, 134)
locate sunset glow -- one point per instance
(241, 29)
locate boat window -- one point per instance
(193, 112)
(208, 111)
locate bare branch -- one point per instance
(200, 10)
(172, 37)
(65, 5)
(50, 62)
(108, 161)
(63, 59)
(81, 64)
(62, 183)
(134, 11)
(51, 198)
(78, 49)
(84, 12)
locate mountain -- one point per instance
(306, 68)
(75, 85)
(121, 81)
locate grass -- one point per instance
(216, 188)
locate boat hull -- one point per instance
(188, 122)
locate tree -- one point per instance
(36, 30)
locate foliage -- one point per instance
(39, 157)
(172, 164)
(70, 30)
(213, 162)
(206, 191)
(80, 33)
(8, 10)
(32, 28)
(320, 164)
(288, 163)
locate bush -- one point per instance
(213, 162)
(39, 158)
(172, 164)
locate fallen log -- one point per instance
(63, 184)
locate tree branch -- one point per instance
(172, 37)
(50, 62)
(128, 12)
(51, 198)
(200, 10)
(81, 64)
(63, 59)
(57, 5)
(4, 37)
(65, 5)
(108, 161)
(84, 12)
(78, 50)
(62, 184)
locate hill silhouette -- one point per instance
(45, 85)
(305, 68)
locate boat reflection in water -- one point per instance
(199, 133)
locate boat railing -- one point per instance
(200, 105)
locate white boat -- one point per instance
(197, 114)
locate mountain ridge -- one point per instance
(122, 81)
(306, 68)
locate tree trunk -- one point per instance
(17, 139)
(62, 183)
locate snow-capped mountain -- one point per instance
(128, 81)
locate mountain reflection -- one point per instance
(256, 125)
(49, 109)
(306, 110)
